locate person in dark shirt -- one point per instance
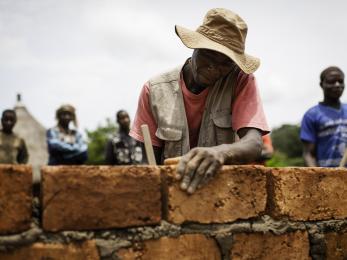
(122, 149)
(13, 149)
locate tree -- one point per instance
(287, 145)
(97, 140)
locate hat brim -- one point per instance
(195, 40)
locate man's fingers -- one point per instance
(210, 172)
(199, 175)
(183, 163)
(190, 169)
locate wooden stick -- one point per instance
(172, 161)
(148, 145)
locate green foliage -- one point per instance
(281, 160)
(287, 145)
(286, 139)
(97, 140)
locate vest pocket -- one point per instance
(223, 128)
(173, 141)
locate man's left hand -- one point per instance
(198, 167)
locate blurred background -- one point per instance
(97, 55)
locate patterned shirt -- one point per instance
(326, 127)
(123, 150)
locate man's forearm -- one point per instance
(310, 161)
(247, 150)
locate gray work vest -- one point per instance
(167, 105)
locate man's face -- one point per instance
(333, 85)
(8, 121)
(124, 120)
(209, 66)
(64, 118)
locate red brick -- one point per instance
(237, 192)
(309, 193)
(91, 197)
(336, 246)
(185, 247)
(15, 198)
(269, 246)
(83, 251)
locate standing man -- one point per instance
(65, 145)
(122, 149)
(195, 109)
(324, 126)
(13, 149)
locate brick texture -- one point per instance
(15, 198)
(184, 247)
(84, 251)
(309, 193)
(336, 246)
(91, 197)
(269, 246)
(237, 192)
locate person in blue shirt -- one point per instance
(65, 145)
(324, 126)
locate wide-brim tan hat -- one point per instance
(222, 31)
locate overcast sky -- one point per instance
(98, 54)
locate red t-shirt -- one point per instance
(247, 110)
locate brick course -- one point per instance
(309, 193)
(336, 246)
(91, 197)
(184, 247)
(15, 198)
(237, 192)
(82, 251)
(269, 246)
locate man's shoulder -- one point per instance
(314, 110)
(168, 76)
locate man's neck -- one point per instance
(192, 86)
(63, 128)
(8, 132)
(334, 103)
(124, 130)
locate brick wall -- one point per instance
(246, 212)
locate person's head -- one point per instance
(332, 82)
(209, 66)
(219, 44)
(8, 120)
(66, 114)
(123, 119)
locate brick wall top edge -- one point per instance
(100, 169)
(16, 167)
(307, 170)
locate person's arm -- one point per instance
(200, 164)
(267, 149)
(308, 136)
(309, 154)
(56, 145)
(23, 155)
(109, 155)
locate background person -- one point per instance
(65, 145)
(13, 149)
(324, 126)
(122, 149)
